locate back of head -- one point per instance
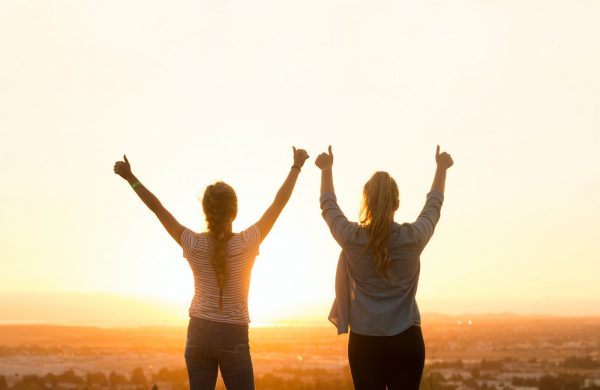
(220, 208)
(381, 199)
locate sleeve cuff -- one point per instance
(327, 196)
(438, 195)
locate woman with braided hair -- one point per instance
(221, 261)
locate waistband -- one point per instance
(414, 330)
(203, 322)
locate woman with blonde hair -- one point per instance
(377, 277)
(221, 261)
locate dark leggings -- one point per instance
(214, 345)
(392, 361)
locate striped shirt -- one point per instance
(240, 252)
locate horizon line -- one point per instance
(294, 323)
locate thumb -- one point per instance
(329, 150)
(125, 158)
(437, 151)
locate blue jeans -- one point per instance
(211, 346)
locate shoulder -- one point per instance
(401, 229)
(191, 239)
(251, 234)
(404, 232)
(192, 243)
(249, 239)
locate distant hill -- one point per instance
(82, 336)
(117, 311)
(106, 310)
(172, 338)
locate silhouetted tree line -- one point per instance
(585, 362)
(69, 380)
(287, 379)
(555, 382)
(564, 382)
(173, 379)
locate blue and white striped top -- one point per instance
(240, 251)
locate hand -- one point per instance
(325, 160)
(443, 160)
(123, 169)
(300, 156)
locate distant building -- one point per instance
(591, 382)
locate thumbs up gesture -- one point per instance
(325, 160)
(300, 156)
(123, 168)
(443, 160)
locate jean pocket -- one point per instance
(194, 352)
(236, 348)
(235, 355)
(197, 334)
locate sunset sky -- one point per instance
(198, 91)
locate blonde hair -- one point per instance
(220, 207)
(381, 198)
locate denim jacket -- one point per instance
(366, 302)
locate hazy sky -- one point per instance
(197, 91)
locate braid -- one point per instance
(220, 205)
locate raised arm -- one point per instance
(268, 219)
(175, 229)
(443, 161)
(325, 163)
(430, 215)
(342, 230)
